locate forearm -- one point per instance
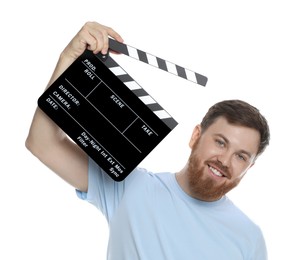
(43, 131)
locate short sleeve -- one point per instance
(260, 252)
(103, 192)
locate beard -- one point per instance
(205, 187)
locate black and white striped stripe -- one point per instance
(158, 62)
(139, 92)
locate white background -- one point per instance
(247, 49)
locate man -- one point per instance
(183, 215)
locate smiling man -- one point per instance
(223, 150)
(165, 216)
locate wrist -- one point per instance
(66, 59)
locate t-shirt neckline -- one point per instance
(187, 197)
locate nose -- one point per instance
(225, 159)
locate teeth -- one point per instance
(216, 172)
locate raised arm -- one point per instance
(45, 139)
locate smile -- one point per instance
(216, 172)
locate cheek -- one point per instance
(204, 149)
(239, 169)
(210, 153)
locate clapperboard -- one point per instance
(107, 113)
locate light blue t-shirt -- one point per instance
(151, 218)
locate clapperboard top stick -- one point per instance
(158, 62)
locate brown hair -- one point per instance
(238, 112)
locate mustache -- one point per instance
(220, 166)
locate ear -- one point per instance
(195, 135)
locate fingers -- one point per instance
(96, 36)
(92, 36)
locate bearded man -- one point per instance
(165, 216)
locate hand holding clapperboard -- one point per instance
(108, 114)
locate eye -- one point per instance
(242, 157)
(220, 142)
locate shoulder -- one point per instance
(138, 175)
(147, 177)
(242, 219)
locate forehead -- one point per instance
(242, 137)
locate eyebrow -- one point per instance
(227, 141)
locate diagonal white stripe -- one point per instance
(171, 67)
(152, 60)
(190, 75)
(147, 100)
(132, 85)
(133, 52)
(118, 71)
(162, 114)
